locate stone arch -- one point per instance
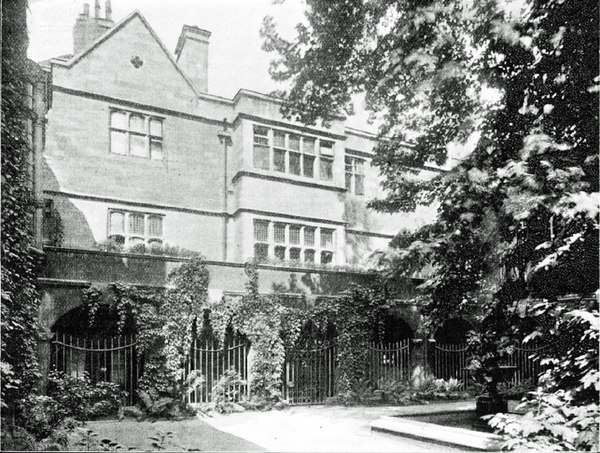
(396, 328)
(453, 331)
(76, 321)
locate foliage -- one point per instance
(358, 317)
(518, 216)
(20, 300)
(164, 322)
(226, 394)
(88, 441)
(563, 413)
(161, 439)
(70, 400)
(111, 245)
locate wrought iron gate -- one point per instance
(389, 361)
(450, 361)
(310, 374)
(212, 361)
(527, 367)
(108, 359)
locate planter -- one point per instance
(486, 405)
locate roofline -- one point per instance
(70, 63)
(267, 97)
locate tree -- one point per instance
(518, 217)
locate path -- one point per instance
(326, 428)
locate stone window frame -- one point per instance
(354, 171)
(127, 235)
(150, 137)
(307, 151)
(284, 249)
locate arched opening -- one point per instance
(98, 350)
(453, 331)
(395, 329)
(448, 356)
(310, 364)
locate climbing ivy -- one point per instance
(166, 322)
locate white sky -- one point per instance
(236, 59)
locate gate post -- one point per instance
(44, 357)
(249, 364)
(419, 366)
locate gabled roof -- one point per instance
(76, 58)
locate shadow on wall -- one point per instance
(315, 283)
(76, 230)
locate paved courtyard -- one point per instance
(326, 428)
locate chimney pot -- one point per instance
(87, 29)
(107, 10)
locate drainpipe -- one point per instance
(225, 140)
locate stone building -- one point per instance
(142, 165)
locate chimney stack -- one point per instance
(192, 55)
(87, 29)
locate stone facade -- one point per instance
(139, 156)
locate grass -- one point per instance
(188, 435)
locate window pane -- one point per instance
(279, 159)
(156, 127)
(261, 136)
(326, 238)
(259, 130)
(359, 185)
(294, 142)
(118, 119)
(349, 181)
(308, 145)
(136, 224)
(295, 163)
(326, 257)
(155, 226)
(118, 143)
(280, 253)
(326, 169)
(261, 157)
(309, 236)
(294, 234)
(279, 139)
(136, 123)
(156, 151)
(261, 230)
(138, 145)
(309, 166)
(359, 165)
(309, 256)
(261, 251)
(117, 223)
(279, 232)
(326, 148)
(295, 254)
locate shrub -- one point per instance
(226, 392)
(79, 398)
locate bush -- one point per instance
(226, 394)
(79, 398)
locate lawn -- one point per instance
(188, 435)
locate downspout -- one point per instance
(225, 140)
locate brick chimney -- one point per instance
(192, 55)
(87, 29)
